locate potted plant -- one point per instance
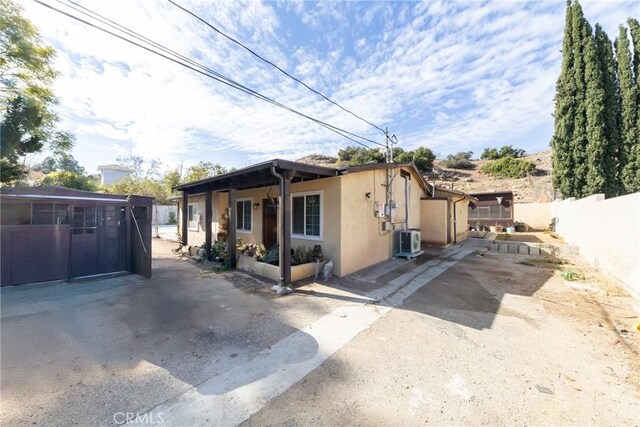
(495, 228)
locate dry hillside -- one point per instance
(531, 189)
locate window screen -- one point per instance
(42, 213)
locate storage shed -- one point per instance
(492, 208)
(55, 233)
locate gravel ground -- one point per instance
(490, 341)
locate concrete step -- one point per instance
(533, 249)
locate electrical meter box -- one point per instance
(379, 209)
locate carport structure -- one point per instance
(274, 172)
(56, 233)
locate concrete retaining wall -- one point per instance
(298, 272)
(536, 216)
(607, 233)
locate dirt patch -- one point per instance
(533, 237)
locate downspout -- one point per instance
(280, 227)
(406, 202)
(455, 223)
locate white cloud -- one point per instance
(452, 75)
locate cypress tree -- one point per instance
(606, 61)
(598, 164)
(562, 160)
(581, 34)
(628, 115)
(635, 39)
(634, 26)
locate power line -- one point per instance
(197, 67)
(226, 81)
(223, 34)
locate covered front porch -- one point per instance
(274, 203)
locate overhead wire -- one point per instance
(171, 55)
(248, 49)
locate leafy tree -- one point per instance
(460, 160)
(628, 115)
(422, 157)
(60, 162)
(141, 186)
(132, 162)
(203, 170)
(509, 167)
(26, 74)
(562, 160)
(506, 151)
(352, 155)
(70, 179)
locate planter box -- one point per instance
(298, 272)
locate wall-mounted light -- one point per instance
(256, 205)
(499, 199)
(367, 195)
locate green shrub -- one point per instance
(460, 160)
(172, 218)
(272, 256)
(506, 151)
(509, 167)
(301, 255)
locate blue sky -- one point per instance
(452, 76)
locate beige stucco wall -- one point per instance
(607, 233)
(433, 221)
(363, 242)
(330, 214)
(462, 215)
(536, 216)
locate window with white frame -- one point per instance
(244, 215)
(306, 218)
(194, 216)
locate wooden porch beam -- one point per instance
(285, 207)
(208, 219)
(185, 220)
(231, 228)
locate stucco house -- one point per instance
(444, 216)
(110, 174)
(354, 213)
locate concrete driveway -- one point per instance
(450, 338)
(81, 353)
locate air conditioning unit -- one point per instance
(409, 243)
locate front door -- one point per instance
(269, 223)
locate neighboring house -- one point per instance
(110, 174)
(444, 216)
(56, 233)
(492, 208)
(347, 211)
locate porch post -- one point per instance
(208, 218)
(231, 228)
(285, 206)
(185, 220)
